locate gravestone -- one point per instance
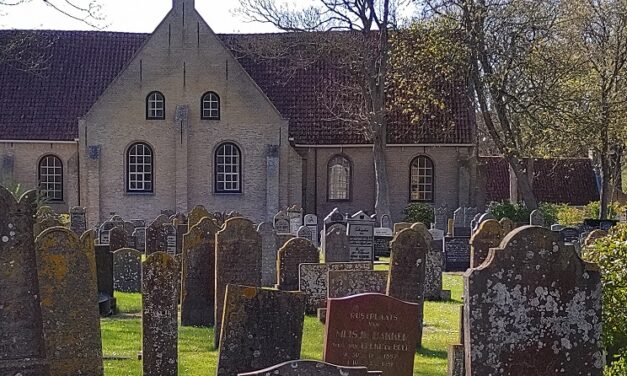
(181, 230)
(104, 272)
(386, 222)
(309, 368)
(541, 316)
(198, 282)
(484, 217)
(335, 217)
(441, 217)
(536, 218)
(197, 213)
(66, 269)
(305, 232)
(117, 239)
(336, 248)
(342, 283)
(401, 226)
(372, 330)
(312, 279)
(569, 235)
(159, 315)
(507, 225)
(456, 253)
(406, 280)
(103, 232)
(361, 237)
(170, 238)
(238, 261)
(261, 327)
(22, 347)
(282, 223)
(127, 270)
(139, 237)
(593, 236)
(459, 223)
(78, 220)
(156, 238)
(167, 213)
(269, 251)
(290, 256)
(469, 215)
(433, 266)
(311, 221)
(556, 227)
(382, 238)
(295, 215)
(488, 236)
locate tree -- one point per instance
(86, 11)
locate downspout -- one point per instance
(78, 169)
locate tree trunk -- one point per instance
(524, 185)
(382, 202)
(606, 177)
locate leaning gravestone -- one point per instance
(127, 270)
(344, 283)
(159, 316)
(361, 237)
(488, 236)
(269, 251)
(66, 268)
(372, 330)
(309, 368)
(536, 218)
(198, 286)
(261, 327)
(336, 244)
(534, 307)
(238, 261)
(78, 220)
(196, 214)
(295, 252)
(22, 348)
(406, 279)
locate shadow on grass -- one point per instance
(424, 351)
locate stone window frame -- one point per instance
(57, 177)
(219, 185)
(204, 102)
(152, 112)
(422, 166)
(129, 181)
(348, 182)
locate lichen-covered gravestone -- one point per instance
(407, 271)
(433, 265)
(159, 316)
(198, 287)
(533, 308)
(507, 225)
(156, 239)
(127, 270)
(488, 236)
(336, 247)
(344, 283)
(269, 251)
(372, 330)
(78, 220)
(295, 252)
(22, 350)
(196, 214)
(308, 368)
(238, 261)
(66, 268)
(261, 327)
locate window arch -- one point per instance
(339, 178)
(421, 179)
(228, 168)
(139, 167)
(50, 177)
(155, 106)
(210, 106)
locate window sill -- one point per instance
(227, 193)
(345, 200)
(139, 193)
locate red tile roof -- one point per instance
(80, 64)
(570, 181)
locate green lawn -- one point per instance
(121, 336)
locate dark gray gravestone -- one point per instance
(238, 261)
(456, 253)
(536, 218)
(22, 349)
(261, 327)
(269, 251)
(382, 238)
(541, 316)
(569, 235)
(139, 238)
(103, 232)
(336, 244)
(159, 315)
(360, 232)
(306, 233)
(118, 239)
(344, 283)
(309, 368)
(127, 269)
(156, 239)
(295, 252)
(406, 281)
(441, 217)
(181, 230)
(104, 269)
(78, 220)
(198, 287)
(66, 269)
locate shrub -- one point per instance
(418, 212)
(519, 213)
(618, 367)
(570, 215)
(593, 209)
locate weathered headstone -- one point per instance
(127, 270)
(269, 249)
(308, 368)
(458, 221)
(261, 327)
(66, 269)
(344, 283)
(306, 233)
(533, 308)
(103, 232)
(78, 220)
(139, 238)
(196, 214)
(295, 214)
(238, 261)
(311, 221)
(336, 247)
(556, 227)
(117, 239)
(170, 238)
(295, 252)
(441, 217)
(507, 225)
(156, 237)
(22, 348)
(335, 217)
(488, 236)
(433, 266)
(282, 223)
(569, 235)
(372, 330)
(104, 270)
(159, 315)
(406, 279)
(456, 253)
(198, 282)
(593, 236)
(386, 222)
(401, 226)
(536, 218)
(382, 238)
(361, 237)
(484, 217)
(167, 213)
(469, 215)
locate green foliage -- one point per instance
(610, 253)
(571, 215)
(617, 367)
(519, 213)
(419, 212)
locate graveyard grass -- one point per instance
(121, 336)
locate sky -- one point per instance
(127, 15)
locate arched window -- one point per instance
(155, 106)
(228, 169)
(139, 166)
(210, 106)
(421, 179)
(339, 178)
(51, 177)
